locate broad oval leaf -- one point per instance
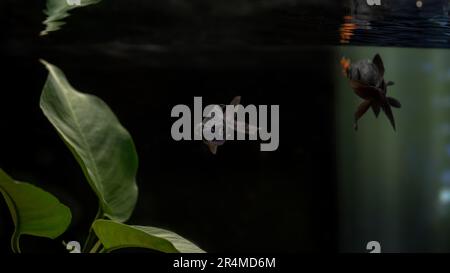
(102, 146)
(57, 10)
(115, 236)
(34, 211)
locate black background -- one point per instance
(143, 59)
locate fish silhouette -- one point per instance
(225, 127)
(367, 81)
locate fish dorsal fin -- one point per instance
(379, 63)
(236, 100)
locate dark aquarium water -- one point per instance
(326, 188)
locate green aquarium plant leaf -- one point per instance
(115, 236)
(57, 10)
(33, 210)
(102, 146)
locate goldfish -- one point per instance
(367, 81)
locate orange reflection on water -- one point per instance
(346, 30)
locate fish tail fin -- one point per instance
(376, 109)
(393, 102)
(388, 111)
(362, 109)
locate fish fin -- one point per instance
(379, 63)
(394, 103)
(365, 91)
(376, 109)
(362, 109)
(388, 111)
(212, 148)
(236, 100)
(381, 84)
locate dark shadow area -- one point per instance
(240, 200)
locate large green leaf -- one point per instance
(115, 236)
(34, 211)
(102, 146)
(57, 10)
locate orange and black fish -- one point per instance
(367, 81)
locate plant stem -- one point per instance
(89, 240)
(96, 247)
(15, 243)
(91, 235)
